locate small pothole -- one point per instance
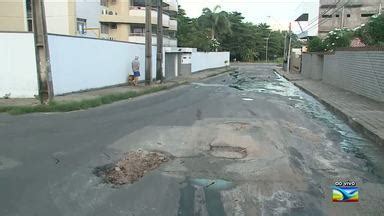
(229, 152)
(131, 167)
(238, 126)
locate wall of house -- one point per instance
(360, 70)
(205, 60)
(91, 11)
(353, 8)
(83, 63)
(18, 74)
(57, 16)
(13, 15)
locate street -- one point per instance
(244, 143)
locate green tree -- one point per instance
(220, 30)
(189, 33)
(215, 20)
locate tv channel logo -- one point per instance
(345, 192)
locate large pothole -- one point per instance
(131, 167)
(229, 152)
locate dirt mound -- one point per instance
(131, 167)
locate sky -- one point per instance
(276, 13)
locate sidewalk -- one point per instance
(361, 113)
(121, 89)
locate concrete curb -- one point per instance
(351, 121)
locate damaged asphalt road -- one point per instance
(245, 143)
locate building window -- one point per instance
(367, 15)
(113, 26)
(104, 29)
(30, 25)
(104, 3)
(140, 3)
(81, 26)
(326, 16)
(138, 29)
(348, 15)
(337, 15)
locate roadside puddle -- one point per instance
(201, 196)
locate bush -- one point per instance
(315, 44)
(338, 38)
(372, 33)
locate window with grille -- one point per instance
(81, 26)
(104, 29)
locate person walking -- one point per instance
(136, 70)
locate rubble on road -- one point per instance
(131, 167)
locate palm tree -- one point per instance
(216, 21)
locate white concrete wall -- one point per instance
(83, 63)
(89, 10)
(18, 74)
(206, 60)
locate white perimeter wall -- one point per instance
(83, 63)
(18, 74)
(205, 60)
(79, 63)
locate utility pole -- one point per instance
(266, 47)
(159, 57)
(289, 50)
(342, 17)
(42, 51)
(148, 42)
(285, 46)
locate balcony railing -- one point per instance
(140, 38)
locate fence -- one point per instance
(357, 70)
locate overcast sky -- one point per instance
(277, 13)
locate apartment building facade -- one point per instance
(125, 20)
(346, 13)
(121, 20)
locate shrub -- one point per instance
(372, 33)
(315, 44)
(338, 38)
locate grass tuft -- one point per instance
(55, 106)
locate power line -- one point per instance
(326, 20)
(318, 17)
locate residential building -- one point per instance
(125, 20)
(122, 20)
(346, 13)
